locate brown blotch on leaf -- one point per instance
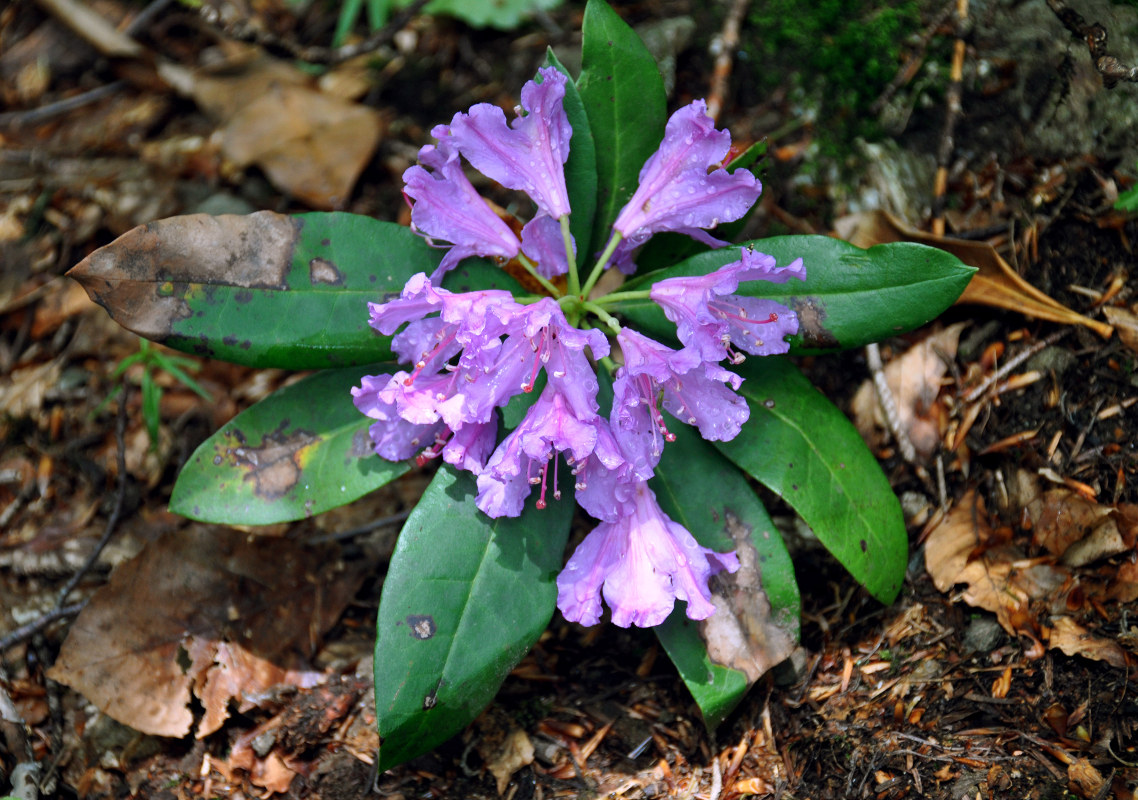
(273, 466)
(422, 626)
(143, 277)
(743, 634)
(811, 319)
(321, 270)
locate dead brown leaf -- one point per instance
(1125, 322)
(996, 284)
(1073, 639)
(516, 752)
(997, 577)
(207, 609)
(742, 633)
(914, 379)
(1084, 779)
(310, 144)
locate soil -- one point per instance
(932, 696)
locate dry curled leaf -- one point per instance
(1073, 639)
(996, 284)
(995, 577)
(914, 378)
(206, 609)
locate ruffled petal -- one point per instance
(448, 208)
(676, 191)
(543, 243)
(642, 563)
(529, 155)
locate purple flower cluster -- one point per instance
(469, 354)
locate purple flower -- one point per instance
(605, 481)
(543, 243)
(712, 320)
(642, 563)
(695, 392)
(524, 457)
(393, 437)
(530, 155)
(677, 193)
(447, 207)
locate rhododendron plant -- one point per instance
(601, 355)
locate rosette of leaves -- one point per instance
(466, 596)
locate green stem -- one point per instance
(618, 297)
(532, 270)
(603, 315)
(574, 280)
(602, 264)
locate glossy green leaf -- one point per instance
(710, 497)
(465, 598)
(716, 689)
(800, 446)
(581, 168)
(624, 97)
(266, 290)
(302, 450)
(850, 296)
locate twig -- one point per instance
(367, 528)
(1012, 363)
(952, 114)
(908, 69)
(34, 116)
(93, 28)
(888, 404)
(245, 31)
(120, 497)
(25, 632)
(1110, 68)
(723, 47)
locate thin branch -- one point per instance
(952, 114)
(120, 497)
(25, 632)
(723, 47)
(34, 116)
(1110, 68)
(888, 404)
(907, 70)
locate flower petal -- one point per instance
(642, 563)
(447, 207)
(676, 192)
(529, 155)
(543, 243)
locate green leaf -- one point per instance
(581, 168)
(850, 296)
(501, 14)
(623, 94)
(799, 445)
(302, 450)
(265, 290)
(716, 689)
(465, 598)
(710, 497)
(151, 405)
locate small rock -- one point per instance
(983, 635)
